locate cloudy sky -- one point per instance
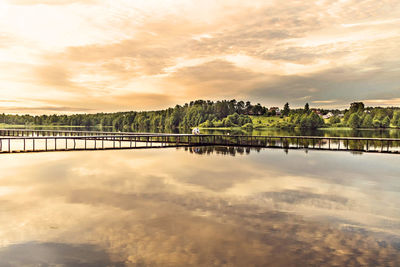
(68, 56)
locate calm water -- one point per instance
(203, 206)
(338, 132)
(333, 132)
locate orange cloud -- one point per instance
(268, 52)
(49, 2)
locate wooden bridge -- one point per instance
(26, 140)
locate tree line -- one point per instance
(225, 113)
(189, 115)
(359, 116)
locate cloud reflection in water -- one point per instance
(171, 207)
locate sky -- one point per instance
(86, 56)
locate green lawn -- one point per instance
(264, 121)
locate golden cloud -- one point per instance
(268, 52)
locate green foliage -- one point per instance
(376, 123)
(248, 126)
(286, 110)
(207, 123)
(307, 121)
(347, 116)
(396, 119)
(386, 122)
(236, 120)
(359, 116)
(367, 122)
(356, 107)
(334, 120)
(354, 121)
(192, 114)
(306, 108)
(224, 113)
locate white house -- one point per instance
(327, 116)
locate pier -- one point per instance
(26, 140)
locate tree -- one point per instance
(334, 120)
(315, 121)
(240, 107)
(175, 117)
(386, 122)
(286, 110)
(396, 118)
(306, 108)
(257, 109)
(380, 114)
(367, 121)
(354, 121)
(249, 108)
(376, 123)
(356, 107)
(305, 122)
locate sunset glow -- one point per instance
(73, 56)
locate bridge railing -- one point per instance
(12, 140)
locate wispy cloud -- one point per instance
(49, 2)
(324, 101)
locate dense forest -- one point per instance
(360, 117)
(357, 116)
(225, 113)
(221, 113)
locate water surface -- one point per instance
(199, 206)
(327, 132)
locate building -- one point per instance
(327, 116)
(316, 111)
(275, 110)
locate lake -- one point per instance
(327, 132)
(208, 206)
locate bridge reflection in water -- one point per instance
(17, 140)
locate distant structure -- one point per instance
(276, 110)
(316, 111)
(327, 116)
(196, 131)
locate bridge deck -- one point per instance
(17, 140)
